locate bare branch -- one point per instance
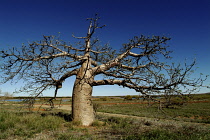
(68, 74)
(110, 64)
(127, 84)
(78, 37)
(137, 67)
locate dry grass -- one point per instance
(16, 123)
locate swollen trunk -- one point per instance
(82, 107)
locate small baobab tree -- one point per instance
(139, 65)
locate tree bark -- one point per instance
(82, 107)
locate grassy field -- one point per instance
(188, 122)
(193, 112)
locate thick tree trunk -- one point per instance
(82, 107)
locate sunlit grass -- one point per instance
(53, 125)
(24, 124)
(19, 123)
(127, 128)
(198, 112)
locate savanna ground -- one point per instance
(117, 118)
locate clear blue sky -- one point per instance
(187, 22)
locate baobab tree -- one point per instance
(139, 65)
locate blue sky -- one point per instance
(187, 22)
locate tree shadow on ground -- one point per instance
(67, 117)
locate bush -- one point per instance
(174, 101)
(104, 99)
(128, 97)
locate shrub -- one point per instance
(104, 99)
(128, 97)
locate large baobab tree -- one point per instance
(139, 65)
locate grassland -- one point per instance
(193, 112)
(188, 122)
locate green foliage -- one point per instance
(105, 98)
(128, 97)
(174, 101)
(137, 97)
(132, 97)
